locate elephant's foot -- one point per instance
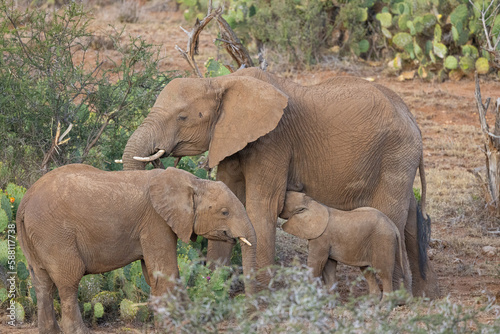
(52, 329)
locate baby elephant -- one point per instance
(362, 237)
(78, 220)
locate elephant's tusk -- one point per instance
(245, 241)
(153, 157)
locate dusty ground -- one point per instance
(452, 137)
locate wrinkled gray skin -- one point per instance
(363, 237)
(78, 220)
(351, 143)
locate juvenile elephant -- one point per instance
(350, 142)
(363, 237)
(78, 220)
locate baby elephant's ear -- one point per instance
(172, 196)
(309, 224)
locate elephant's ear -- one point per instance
(172, 196)
(309, 224)
(250, 108)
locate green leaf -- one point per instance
(454, 33)
(6, 206)
(403, 22)
(364, 46)
(482, 65)
(4, 220)
(418, 50)
(470, 51)
(362, 14)
(428, 21)
(3, 295)
(451, 62)
(22, 271)
(411, 26)
(386, 33)
(467, 64)
(439, 49)
(459, 15)
(98, 310)
(437, 33)
(402, 39)
(385, 19)
(19, 312)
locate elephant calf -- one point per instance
(78, 220)
(362, 237)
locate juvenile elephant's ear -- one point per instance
(250, 108)
(172, 196)
(309, 224)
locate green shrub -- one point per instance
(295, 302)
(47, 89)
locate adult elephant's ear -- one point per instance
(250, 108)
(172, 195)
(309, 224)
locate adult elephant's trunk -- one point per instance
(246, 235)
(144, 142)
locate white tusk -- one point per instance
(151, 158)
(245, 241)
(118, 161)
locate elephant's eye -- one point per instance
(300, 210)
(182, 117)
(225, 212)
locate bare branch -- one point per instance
(193, 35)
(233, 45)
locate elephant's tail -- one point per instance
(424, 186)
(22, 236)
(423, 224)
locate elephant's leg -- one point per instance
(229, 172)
(396, 208)
(373, 287)
(159, 247)
(427, 286)
(330, 273)
(44, 288)
(67, 285)
(145, 272)
(318, 256)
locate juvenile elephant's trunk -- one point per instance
(248, 252)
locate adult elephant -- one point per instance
(348, 142)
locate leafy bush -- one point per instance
(49, 87)
(295, 302)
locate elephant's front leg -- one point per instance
(318, 256)
(159, 247)
(330, 273)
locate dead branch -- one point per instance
(192, 45)
(232, 44)
(58, 140)
(491, 150)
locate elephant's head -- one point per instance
(307, 219)
(193, 206)
(191, 116)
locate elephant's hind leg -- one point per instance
(44, 289)
(67, 277)
(373, 287)
(424, 284)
